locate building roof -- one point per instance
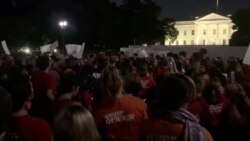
(184, 22)
(212, 17)
(209, 17)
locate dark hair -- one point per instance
(175, 90)
(183, 53)
(67, 81)
(142, 69)
(211, 94)
(42, 62)
(20, 92)
(203, 51)
(5, 109)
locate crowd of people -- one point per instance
(124, 98)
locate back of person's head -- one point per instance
(75, 123)
(203, 51)
(67, 84)
(143, 69)
(21, 92)
(132, 84)
(163, 62)
(43, 62)
(175, 91)
(5, 109)
(111, 83)
(183, 53)
(211, 94)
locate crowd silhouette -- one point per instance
(124, 98)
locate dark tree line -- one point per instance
(97, 22)
(241, 20)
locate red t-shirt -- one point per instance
(86, 99)
(208, 114)
(31, 129)
(197, 106)
(157, 130)
(60, 104)
(160, 71)
(147, 83)
(42, 105)
(43, 81)
(246, 70)
(121, 120)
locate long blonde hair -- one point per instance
(75, 123)
(111, 83)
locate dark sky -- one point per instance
(188, 9)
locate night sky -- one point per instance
(188, 9)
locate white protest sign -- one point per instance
(247, 57)
(45, 48)
(54, 45)
(143, 54)
(81, 51)
(73, 49)
(5, 47)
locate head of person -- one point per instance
(143, 69)
(68, 85)
(111, 83)
(21, 91)
(5, 109)
(175, 91)
(75, 123)
(211, 93)
(203, 51)
(43, 62)
(183, 53)
(132, 84)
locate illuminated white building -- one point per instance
(212, 29)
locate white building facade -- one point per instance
(212, 29)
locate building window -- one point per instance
(204, 42)
(214, 31)
(192, 42)
(204, 32)
(224, 42)
(224, 31)
(192, 32)
(177, 42)
(184, 42)
(185, 32)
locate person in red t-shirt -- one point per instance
(169, 120)
(212, 114)
(118, 116)
(147, 81)
(67, 90)
(26, 126)
(44, 90)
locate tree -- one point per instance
(241, 20)
(96, 22)
(171, 31)
(141, 22)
